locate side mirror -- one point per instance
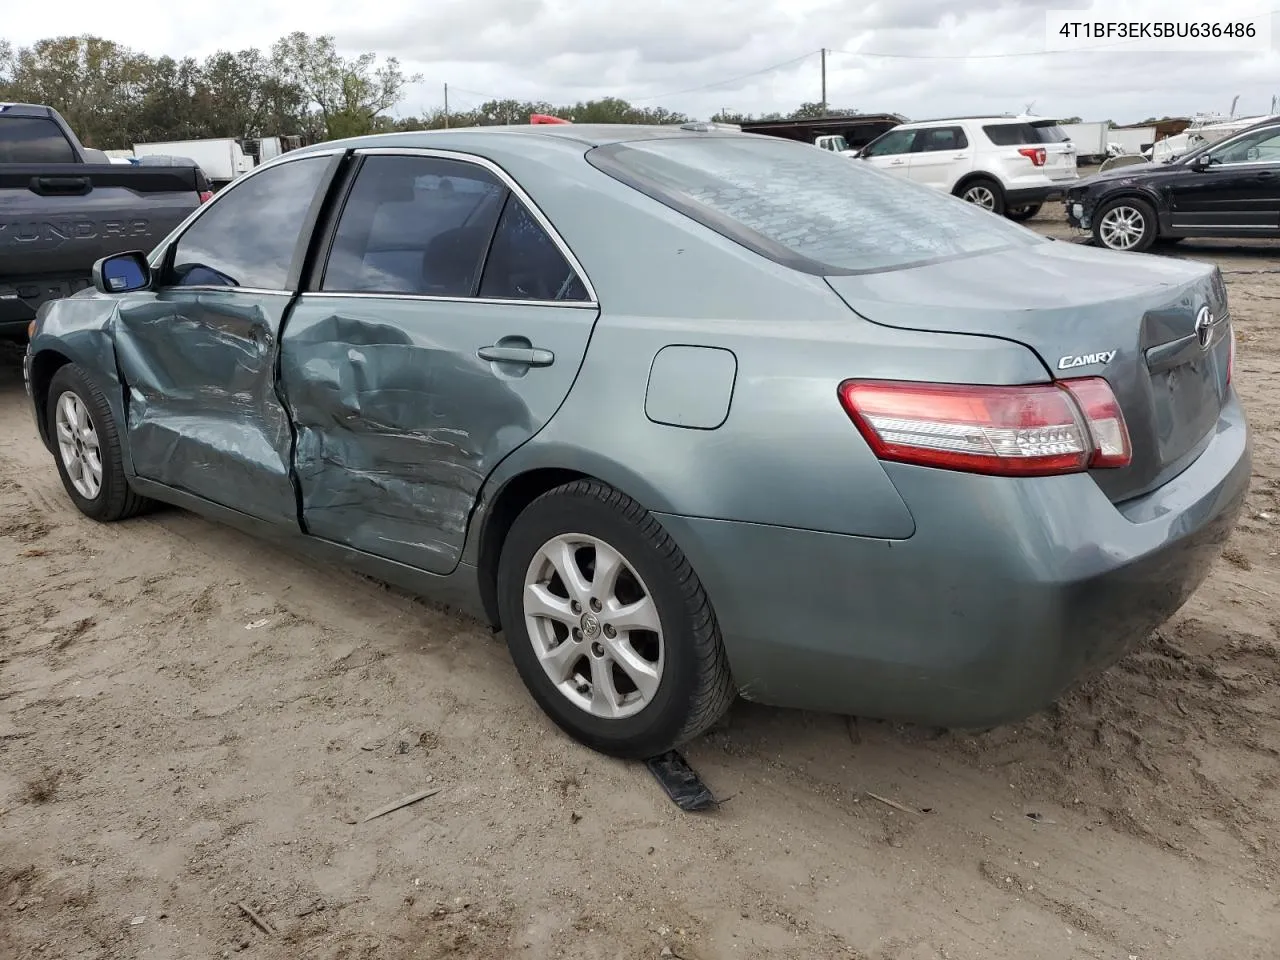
(1201, 162)
(122, 273)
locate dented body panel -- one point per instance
(203, 412)
(399, 422)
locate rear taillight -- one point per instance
(1026, 431)
(206, 196)
(1036, 155)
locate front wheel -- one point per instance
(985, 193)
(87, 448)
(608, 625)
(1127, 224)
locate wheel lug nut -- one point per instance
(597, 650)
(577, 634)
(595, 604)
(609, 631)
(575, 606)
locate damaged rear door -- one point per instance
(444, 329)
(197, 356)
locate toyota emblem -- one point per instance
(1204, 327)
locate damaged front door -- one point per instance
(198, 356)
(446, 329)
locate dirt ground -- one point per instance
(191, 721)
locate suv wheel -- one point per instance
(985, 193)
(1126, 224)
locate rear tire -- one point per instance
(983, 192)
(1127, 224)
(608, 625)
(86, 448)
(1024, 213)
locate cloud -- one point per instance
(699, 58)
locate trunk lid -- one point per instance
(1129, 318)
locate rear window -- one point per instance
(808, 209)
(33, 140)
(1022, 134)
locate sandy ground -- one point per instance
(191, 720)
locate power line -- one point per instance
(721, 83)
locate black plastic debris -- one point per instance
(682, 784)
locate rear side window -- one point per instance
(940, 138)
(1024, 134)
(430, 226)
(248, 236)
(808, 209)
(33, 140)
(415, 225)
(525, 264)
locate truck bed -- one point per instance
(57, 220)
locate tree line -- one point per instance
(114, 96)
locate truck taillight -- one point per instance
(206, 196)
(1036, 430)
(1036, 155)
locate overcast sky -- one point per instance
(700, 57)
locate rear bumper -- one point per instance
(1008, 593)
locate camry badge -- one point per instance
(1086, 359)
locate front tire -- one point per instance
(985, 193)
(1127, 224)
(86, 448)
(608, 625)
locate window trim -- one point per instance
(513, 189)
(1230, 141)
(76, 156)
(161, 257)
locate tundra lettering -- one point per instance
(34, 231)
(1086, 359)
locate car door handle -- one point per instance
(1264, 175)
(529, 356)
(961, 156)
(896, 163)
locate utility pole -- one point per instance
(824, 81)
(446, 106)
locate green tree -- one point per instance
(349, 94)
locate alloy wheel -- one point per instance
(78, 445)
(594, 626)
(982, 196)
(1122, 227)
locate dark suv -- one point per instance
(1226, 189)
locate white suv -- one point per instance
(1009, 165)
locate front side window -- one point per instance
(415, 225)
(1260, 146)
(33, 140)
(808, 209)
(250, 233)
(892, 143)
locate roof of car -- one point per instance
(984, 118)
(587, 134)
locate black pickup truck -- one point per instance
(64, 205)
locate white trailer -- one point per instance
(1132, 140)
(221, 160)
(1090, 139)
